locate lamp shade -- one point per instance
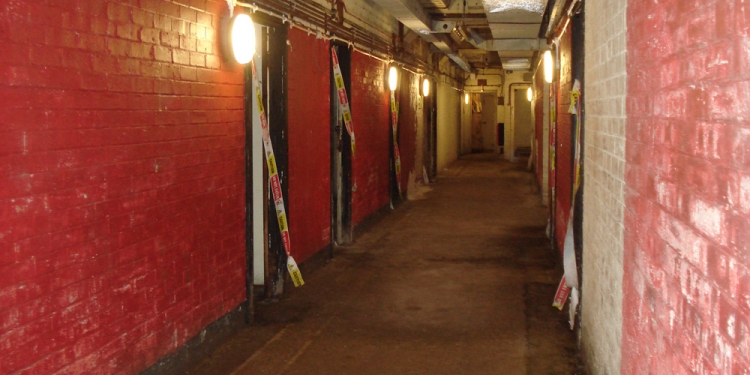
(548, 66)
(392, 78)
(243, 38)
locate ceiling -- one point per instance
(477, 34)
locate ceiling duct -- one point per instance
(514, 25)
(528, 44)
(412, 15)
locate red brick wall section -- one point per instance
(309, 144)
(121, 182)
(563, 180)
(370, 113)
(687, 220)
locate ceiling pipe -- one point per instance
(412, 15)
(554, 16)
(558, 13)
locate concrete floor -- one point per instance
(459, 283)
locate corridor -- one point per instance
(173, 170)
(458, 283)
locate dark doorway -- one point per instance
(341, 155)
(430, 132)
(274, 70)
(501, 136)
(271, 69)
(477, 141)
(488, 119)
(522, 124)
(393, 137)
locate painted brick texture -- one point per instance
(604, 176)
(371, 164)
(687, 258)
(121, 182)
(564, 147)
(309, 126)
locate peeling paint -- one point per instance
(745, 194)
(708, 219)
(731, 320)
(680, 237)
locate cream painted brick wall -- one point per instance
(603, 200)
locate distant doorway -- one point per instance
(483, 122)
(477, 140)
(489, 121)
(341, 155)
(522, 124)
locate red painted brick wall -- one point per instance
(309, 129)
(121, 182)
(686, 306)
(563, 151)
(370, 113)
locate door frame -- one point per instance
(275, 93)
(273, 80)
(341, 155)
(430, 130)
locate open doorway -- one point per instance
(341, 155)
(430, 132)
(489, 121)
(483, 122)
(522, 125)
(266, 265)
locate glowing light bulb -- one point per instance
(426, 87)
(392, 78)
(529, 94)
(243, 38)
(548, 66)
(466, 98)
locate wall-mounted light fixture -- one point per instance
(466, 98)
(392, 78)
(529, 94)
(426, 87)
(242, 38)
(549, 64)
